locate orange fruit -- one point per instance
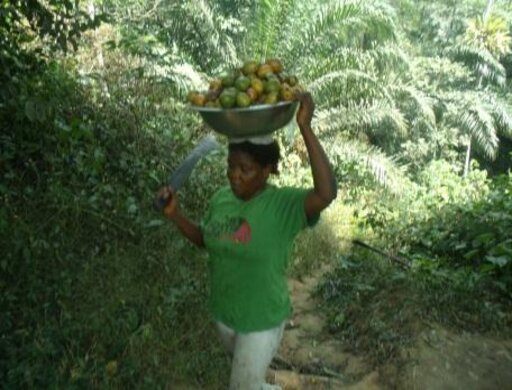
(198, 99)
(253, 95)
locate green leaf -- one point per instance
(483, 239)
(471, 254)
(500, 261)
(154, 223)
(30, 110)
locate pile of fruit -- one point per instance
(253, 83)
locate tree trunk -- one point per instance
(488, 10)
(91, 10)
(468, 159)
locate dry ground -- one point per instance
(310, 358)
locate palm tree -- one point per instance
(486, 39)
(348, 54)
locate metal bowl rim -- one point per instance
(256, 107)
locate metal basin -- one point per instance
(251, 121)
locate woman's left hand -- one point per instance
(306, 109)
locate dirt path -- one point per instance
(309, 358)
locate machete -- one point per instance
(181, 174)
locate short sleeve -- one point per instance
(291, 207)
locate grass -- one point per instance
(379, 309)
(130, 316)
(323, 243)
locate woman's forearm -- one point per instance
(324, 181)
(189, 229)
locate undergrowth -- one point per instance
(98, 291)
(377, 308)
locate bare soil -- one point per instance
(310, 358)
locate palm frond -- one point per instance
(380, 21)
(185, 78)
(327, 19)
(375, 61)
(389, 56)
(210, 27)
(363, 117)
(501, 113)
(481, 61)
(479, 123)
(422, 102)
(377, 164)
(348, 85)
(490, 34)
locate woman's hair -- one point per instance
(263, 154)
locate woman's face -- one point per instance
(245, 175)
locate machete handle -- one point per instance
(161, 201)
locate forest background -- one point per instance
(413, 108)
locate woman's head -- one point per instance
(249, 166)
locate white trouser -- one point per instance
(252, 354)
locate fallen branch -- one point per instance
(312, 369)
(399, 260)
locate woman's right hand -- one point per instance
(171, 201)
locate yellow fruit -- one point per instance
(287, 93)
(249, 67)
(271, 98)
(251, 83)
(243, 100)
(257, 85)
(275, 64)
(198, 99)
(216, 84)
(264, 70)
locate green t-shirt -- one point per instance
(249, 245)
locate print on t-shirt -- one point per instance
(234, 229)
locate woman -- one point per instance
(248, 232)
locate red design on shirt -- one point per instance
(243, 233)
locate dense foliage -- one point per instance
(99, 291)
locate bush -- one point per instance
(98, 291)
